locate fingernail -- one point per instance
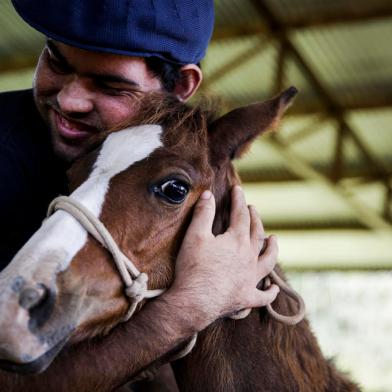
(206, 195)
(238, 188)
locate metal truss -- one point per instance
(272, 30)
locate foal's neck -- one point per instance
(258, 354)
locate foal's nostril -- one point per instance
(31, 297)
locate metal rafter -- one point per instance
(279, 31)
(308, 129)
(387, 210)
(298, 165)
(380, 100)
(361, 175)
(280, 68)
(346, 14)
(301, 168)
(338, 161)
(238, 61)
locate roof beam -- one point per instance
(238, 30)
(362, 175)
(388, 200)
(301, 168)
(280, 32)
(340, 249)
(307, 106)
(312, 225)
(238, 61)
(346, 14)
(337, 165)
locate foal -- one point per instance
(142, 183)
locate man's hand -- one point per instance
(218, 275)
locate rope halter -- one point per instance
(135, 281)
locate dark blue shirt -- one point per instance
(30, 174)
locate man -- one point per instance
(99, 59)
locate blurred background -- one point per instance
(323, 182)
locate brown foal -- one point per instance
(142, 183)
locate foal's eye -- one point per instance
(174, 191)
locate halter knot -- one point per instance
(138, 288)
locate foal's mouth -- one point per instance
(38, 365)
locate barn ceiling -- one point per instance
(323, 181)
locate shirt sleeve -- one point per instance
(13, 194)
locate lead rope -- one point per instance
(136, 281)
(288, 320)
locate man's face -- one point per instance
(80, 93)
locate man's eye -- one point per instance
(57, 66)
(109, 89)
(173, 191)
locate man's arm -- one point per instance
(107, 363)
(214, 276)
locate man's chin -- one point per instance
(67, 150)
(67, 153)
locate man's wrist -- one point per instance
(190, 316)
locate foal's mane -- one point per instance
(178, 119)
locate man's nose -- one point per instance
(75, 97)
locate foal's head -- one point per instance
(142, 183)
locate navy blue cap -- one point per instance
(174, 30)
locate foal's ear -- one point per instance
(232, 134)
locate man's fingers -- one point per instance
(239, 216)
(268, 259)
(257, 235)
(265, 297)
(203, 215)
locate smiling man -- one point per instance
(80, 93)
(100, 58)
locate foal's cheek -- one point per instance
(92, 277)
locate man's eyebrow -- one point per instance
(55, 50)
(100, 77)
(111, 78)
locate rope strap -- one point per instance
(289, 320)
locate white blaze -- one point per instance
(61, 236)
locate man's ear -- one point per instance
(189, 82)
(232, 134)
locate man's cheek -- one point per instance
(113, 113)
(45, 81)
(46, 84)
